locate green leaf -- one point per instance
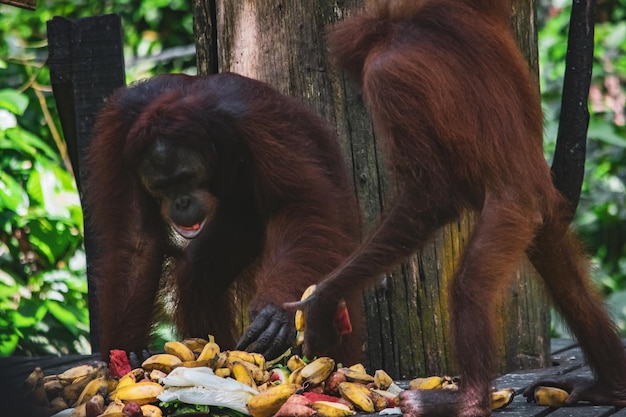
(606, 133)
(12, 195)
(13, 101)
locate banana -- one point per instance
(131, 377)
(296, 377)
(113, 409)
(251, 357)
(89, 369)
(358, 367)
(162, 361)
(221, 360)
(156, 375)
(260, 376)
(210, 350)
(180, 350)
(550, 396)
(356, 375)
(71, 392)
(149, 410)
(98, 386)
(294, 362)
(267, 403)
(242, 374)
(357, 394)
(223, 372)
(94, 406)
(502, 398)
(431, 382)
(34, 378)
(331, 409)
(142, 392)
(193, 364)
(299, 318)
(196, 344)
(382, 380)
(448, 382)
(58, 404)
(317, 371)
(389, 396)
(380, 401)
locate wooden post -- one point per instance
(283, 43)
(86, 65)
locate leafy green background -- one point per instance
(43, 303)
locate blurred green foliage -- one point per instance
(43, 304)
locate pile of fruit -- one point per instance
(194, 375)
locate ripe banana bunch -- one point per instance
(336, 391)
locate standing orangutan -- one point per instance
(460, 121)
(200, 186)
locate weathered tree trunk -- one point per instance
(282, 42)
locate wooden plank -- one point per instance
(86, 65)
(583, 411)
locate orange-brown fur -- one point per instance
(285, 216)
(460, 120)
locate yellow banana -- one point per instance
(267, 403)
(196, 344)
(379, 401)
(357, 394)
(223, 372)
(317, 371)
(389, 396)
(242, 374)
(502, 398)
(221, 360)
(90, 369)
(331, 409)
(156, 375)
(162, 361)
(98, 386)
(382, 380)
(260, 376)
(296, 377)
(299, 319)
(142, 392)
(356, 375)
(131, 377)
(180, 350)
(210, 350)
(550, 396)
(358, 367)
(294, 362)
(113, 409)
(73, 391)
(149, 410)
(251, 357)
(431, 382)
